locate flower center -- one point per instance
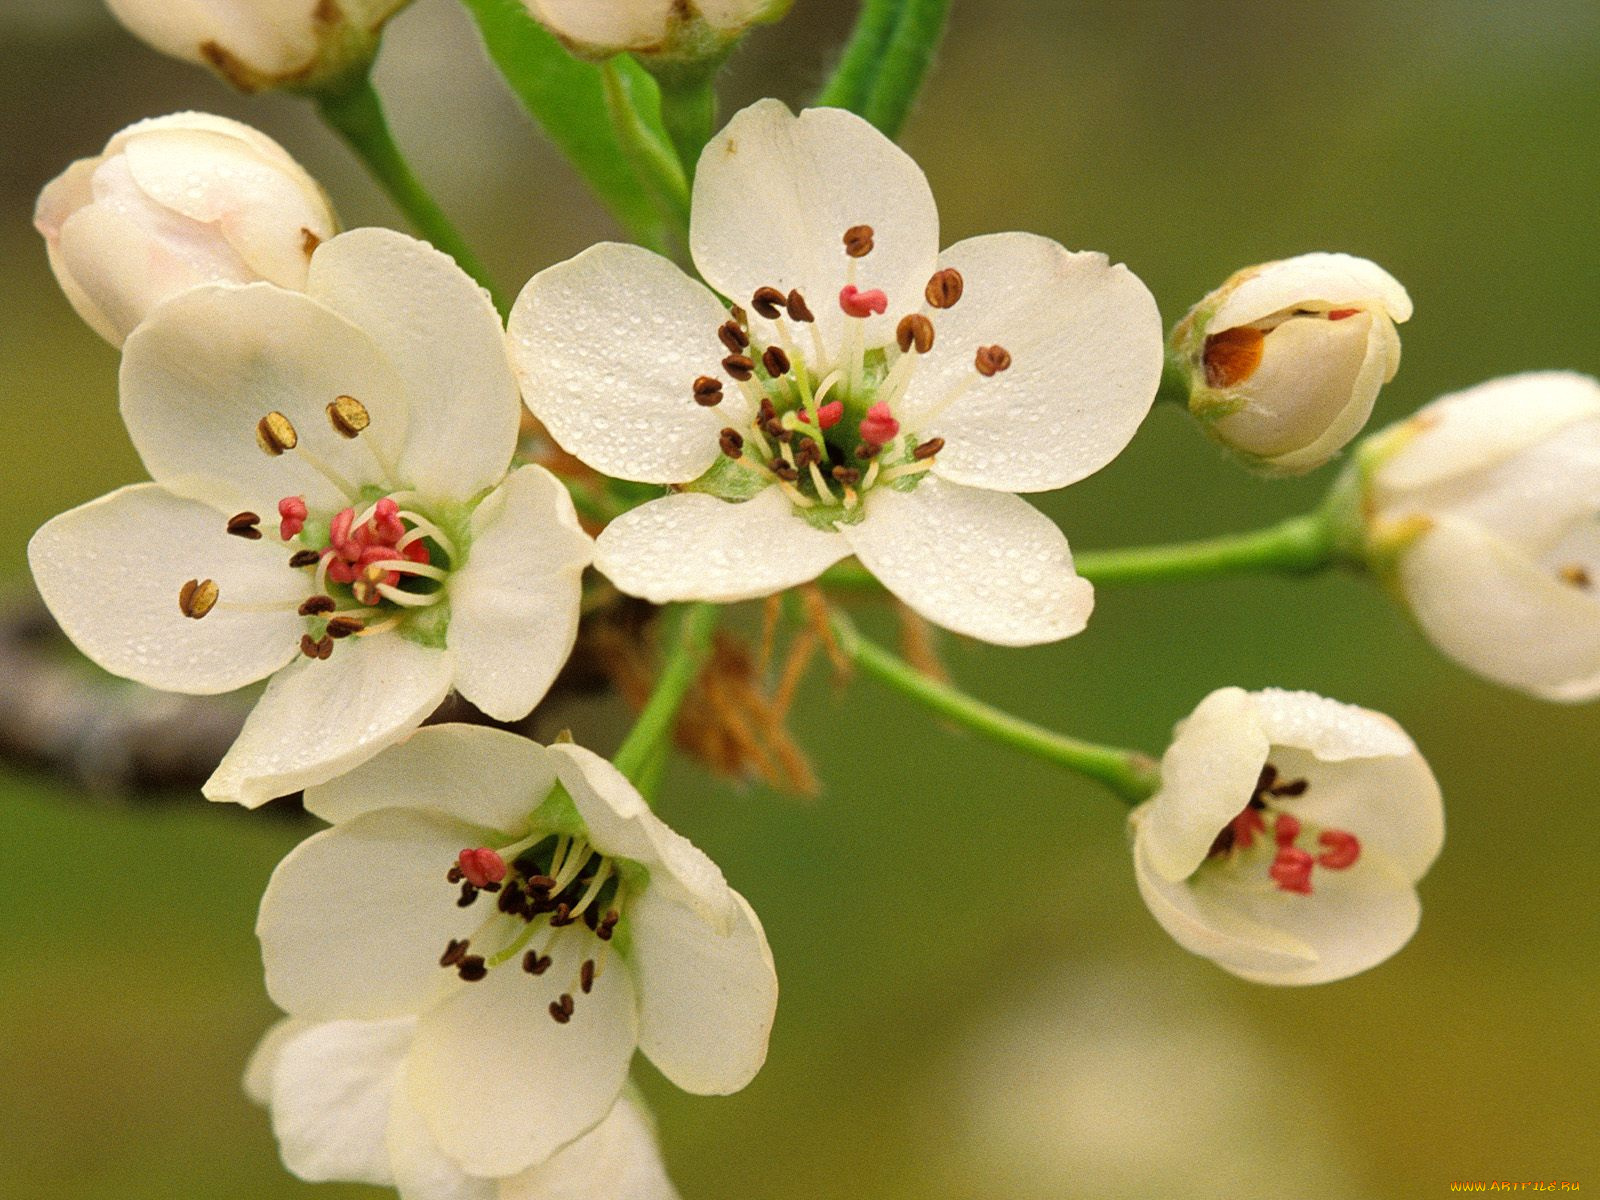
(828, 420)
(556, 897)
(1283, 836)
(377, 563)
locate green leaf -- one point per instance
(566, 96)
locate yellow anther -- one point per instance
(197, 597)
(275, 433)
(348, 416)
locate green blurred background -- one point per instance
(976, 1003)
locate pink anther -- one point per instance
(1286, 829)
(1291, 870)
(827, 416)
(857, 303)
(481, 867)
(1342, 849)
(1339, 314)
(879, 426)
(294, 512)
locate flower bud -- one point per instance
(300, 45)
(173, 203)
(1285, 360)
(665, 30)
(1483, 512)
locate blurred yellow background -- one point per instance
(976, 1003)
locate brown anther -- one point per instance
(468, 895)
(732, 443)
(768, 302)
(562, 916)
(586, 976)
(309, 242)
(848, 476)
(733, 337)
(540, 883)
(308, 645)
(858, 241)
(454, 952)
(324, 648)
(945, 288)
(775, 428)
(305, 558)
(535, 963)
(991, 360)
(317, 606)
(784, 471)
(799, 310)
(348, 416)
(914, 330)
(197, 597)
(707, 391)
(608, 924)
(868, 450)
(245, 525)
(558, 1014)
(928, 449)
(1576, 575)
(806, 452)
(275, 434)
(1232, 356)
(472, 968)
(343, 627)
(453, 875)
(566, 1003)
(740, 366)
(775, 361)
(765, 410)
(739, 315)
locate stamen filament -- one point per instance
(422, 527)
(380, 627)
(407, 599)
(905, 469)
(351, 492)
(824, 492)
(404, 566)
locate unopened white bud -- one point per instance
(172, 203)
(1285, 360)
(671, 30)
(256, 45)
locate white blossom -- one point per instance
(259, 44)
(1286, 359)
(340, 1097)
(672, 29)
(1484, 508)
(1288, 836)
(868, 395)
(332, 508)
(174, 202)
(525, 905)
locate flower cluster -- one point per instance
(362, 494)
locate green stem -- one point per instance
(906, 62)
(660, 713)
(1174, 381)
(356, 114)
(852, 81)
(654, 163)
(1131, 775)
(689, 110)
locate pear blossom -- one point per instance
(173, 202)
(340, 1097)
(1288, 836)
(524, 905)
(865, 395)
(1286, 359)
(1484, 511)
(666, 29)
(332, 507)
(260, 44)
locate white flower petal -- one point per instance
(634, 25)
(621, 825)
(616, 1160)
(1336, 280)
(275, 38)
(503, 1086)
(422, 1171)
(608, 346)
(110, 572)
(486, 777)
(1328, 729)
(514, 603)
(263, 1064)
(354, 920)
(331, 1094)
(206, 366)
(1496, 612)
(1470, 430)
(775, 194)
(1208, 775)
(693, 546)
(1086, 347)
(61, 198)
(440, 332)
(317, 719)
(985, 564)
(707, 997)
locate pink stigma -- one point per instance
(293, 511)
(1286, 829)
(1342, 849)
(1291, 870)
(1339, 314)
(857, 303)
(827, 416)
(481, 867)
(879, 426)
(355, 548)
